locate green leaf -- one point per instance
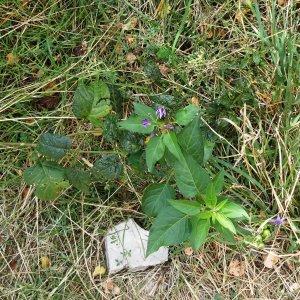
(226, 234)
(92, 102)
(170, 227)
(218, 182)
(156, 197)
(200, 229)
(225, 222)
(232, 210)
(170, 141)
(187, 207)
(191, 178)
(210, 196)
(208, 149)
(80, 179)
(134, 124)
(145, 111)
(53, 145)
(185, 115)
(108, 167)
(155, 150)
(48, 178)
(191, 140)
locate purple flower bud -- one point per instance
(277, 221)
(161, 112)
(146, 123)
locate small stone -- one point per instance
(126, 246)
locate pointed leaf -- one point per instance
(191, 179)
(53, 145)
(155, 150)
(170, 227)
(156, 197)
(185, 115)
(187, 207)
(170, 140)
(134, 124)
(232, 210)
(218, 182)
(191, 140)
(226, 234)
(210, 195)
(225, 222)
(199, 232)
(208, 148)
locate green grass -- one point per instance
(243, 66)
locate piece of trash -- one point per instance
(126, 246)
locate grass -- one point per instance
(240, 63)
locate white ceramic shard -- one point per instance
(126, 245)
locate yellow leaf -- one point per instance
(99, 271)
(45, 262)
(163, 9)
(12, 59)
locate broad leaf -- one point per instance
(225, 222)
(218, 182)
(48, 178)
(226, 234)
(210, 196)
(135, 124)
(185, 115)
(156, 198)
(80, 179)
(155, 150)
(170, 227)
(92, 102)
(200, 229)
(145, 111)
(191, 178)
(53, 145)
(232, 210)
(108, 167)
(170, 140)
(187, 207)
(191, 140)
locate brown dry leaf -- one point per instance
(48, 102)
(164, 70)
(131, 24)
(80, 49)
(99, 271)
(188, 251)
(195, 100)
(237, 268)
(116, 290)
(25, 193)
(282, 2)
(270, 260)
(108, 285)
(239, 16)
(130, 58)
(13, 264)
(45, 262)
(12, 59)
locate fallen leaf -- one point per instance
(108, 286)
(194, 100)
(282, 2)
(164, 70)
(237, 268)
(131, 24)
(12, 59)
(270, 260)
(99, 271)
(45, 262)
(130, 39)
(80, 49)
(130, 58)
(188, 251)
(13, 264)
(116, 290)
(118, 48)
(25, 193)
(48, 102)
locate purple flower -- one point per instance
(146, 123)
(277, 221)
(169, 126)
(161, 112)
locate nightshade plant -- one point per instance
(187, 204)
